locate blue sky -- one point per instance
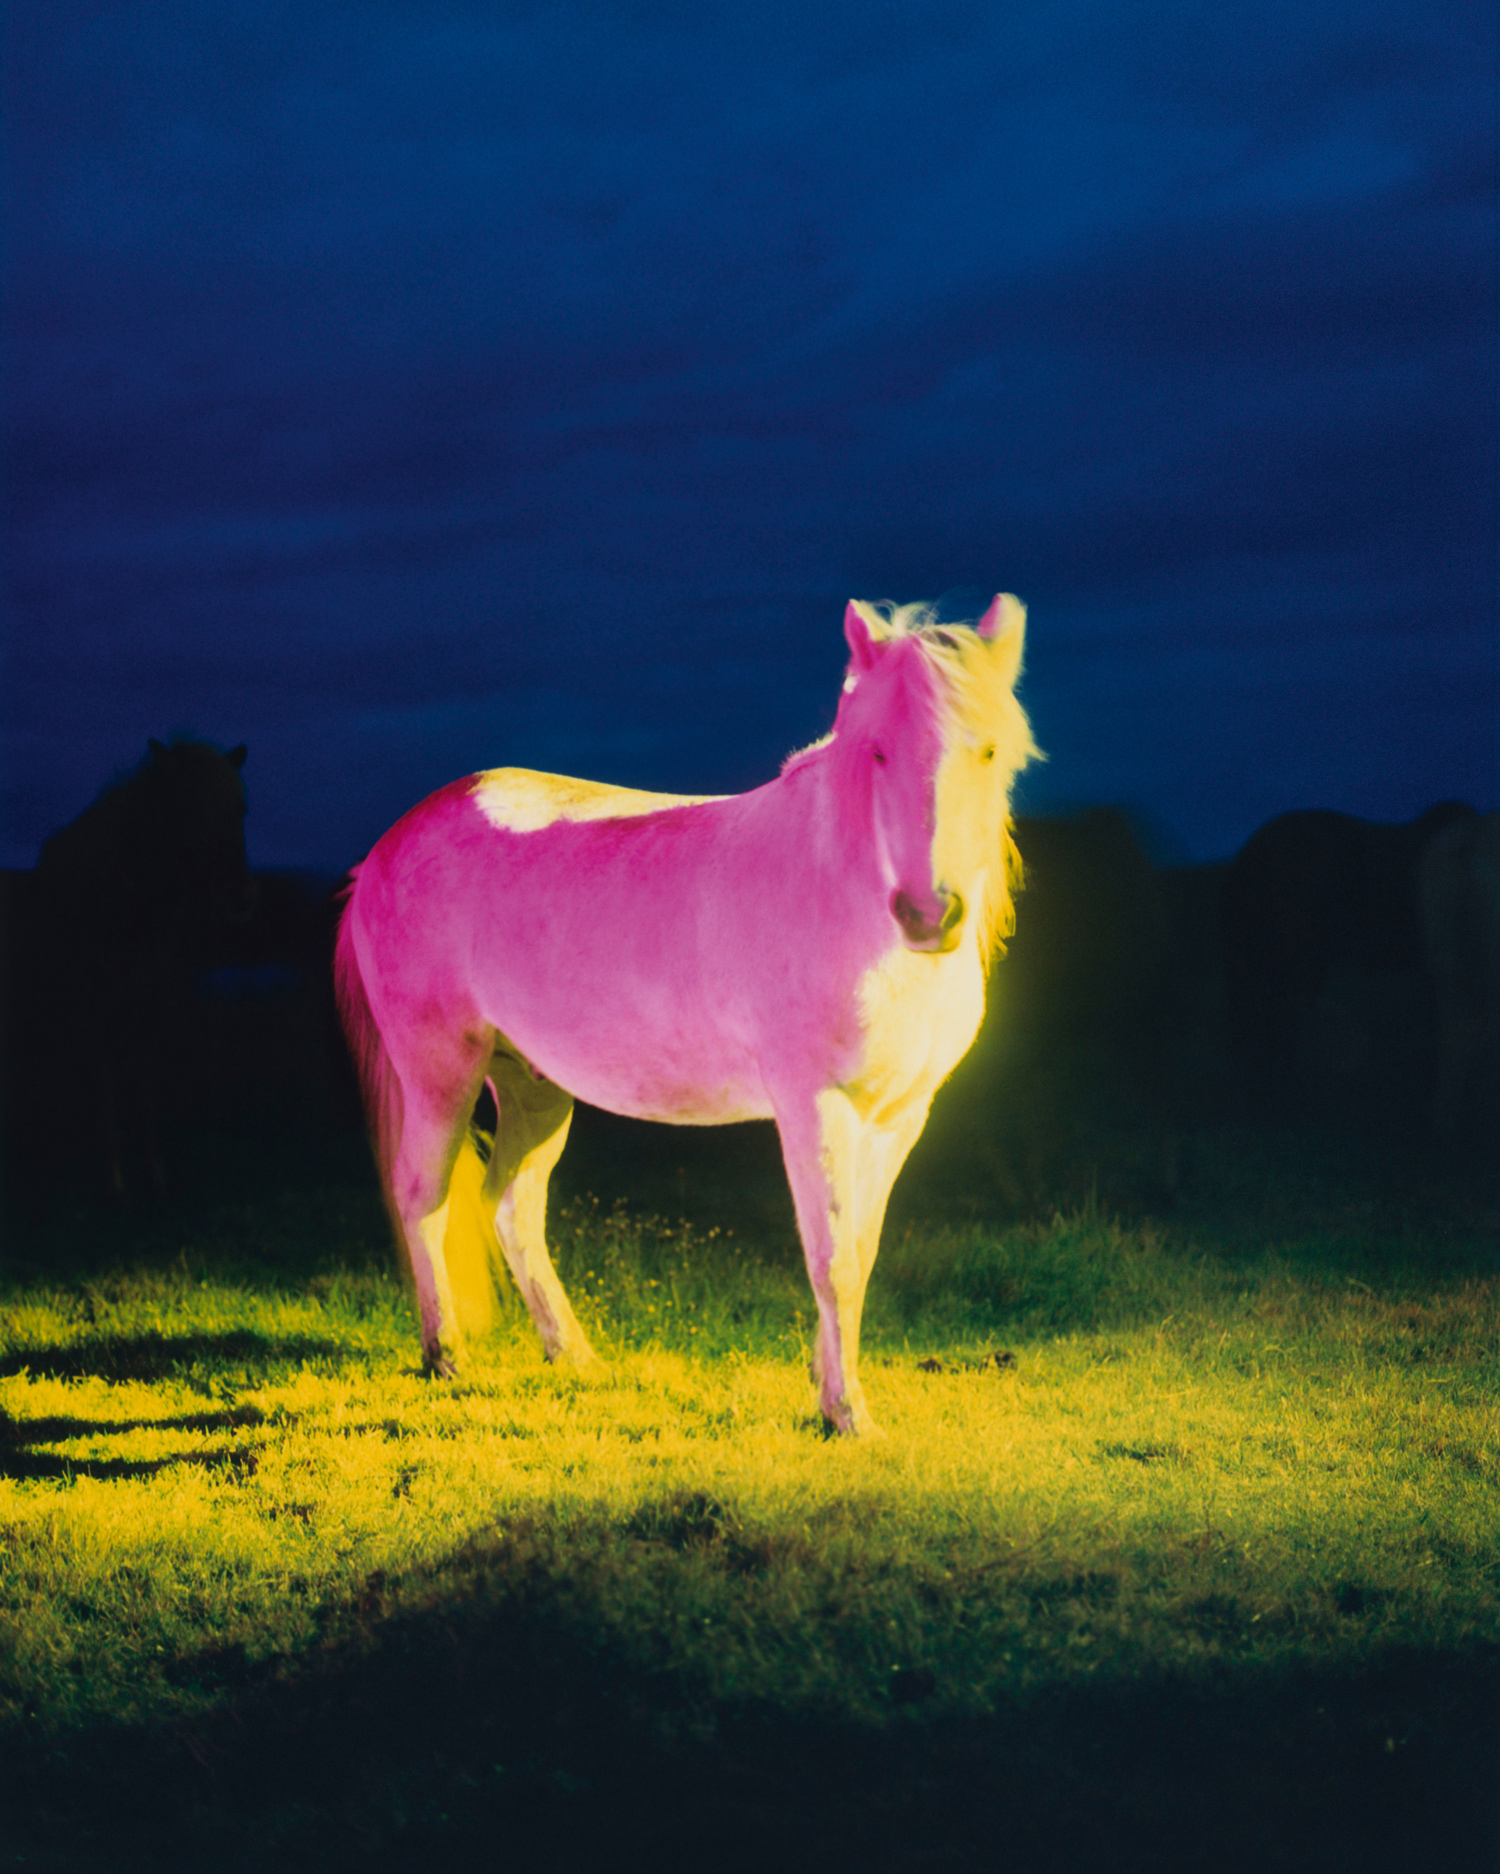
(411, 388)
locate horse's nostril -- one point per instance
(920, 929)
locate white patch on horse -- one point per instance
(520, 800)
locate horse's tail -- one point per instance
(378, 1084)
(469, 1245)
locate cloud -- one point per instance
(367, 361)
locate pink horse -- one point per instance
(813, 952)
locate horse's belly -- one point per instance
(673, 1099)
(624, 1068)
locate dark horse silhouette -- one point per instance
(1313, 901)
(102, 939)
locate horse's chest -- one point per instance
(920, 1015)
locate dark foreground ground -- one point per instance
(470, 1740)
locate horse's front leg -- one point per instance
(882, 1150)
(820, 1142)
(533, 1117)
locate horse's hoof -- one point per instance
(844, 1420)
(582, 1363)
(863, 1427)
(439, 1365)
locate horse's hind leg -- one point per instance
(532, 1121)
(434, 1119)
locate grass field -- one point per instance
(1182, 1549)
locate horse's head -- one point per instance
(930, 726)
(196, 828)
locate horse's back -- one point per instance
(522, 800)
(484, 867)
(581, 936)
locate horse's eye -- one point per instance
(988, 754)
(879, 755)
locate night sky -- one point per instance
(413, 388)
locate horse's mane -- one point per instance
(998, 912)
(976, 700)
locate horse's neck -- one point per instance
(107, 856)
(820, 832)
(116, 832)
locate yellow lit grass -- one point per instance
(1190, 1460)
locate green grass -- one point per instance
(1246, 1445)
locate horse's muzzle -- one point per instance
(919, 930)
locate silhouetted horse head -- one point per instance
(165, 846)
(126, 894)
(192, 828)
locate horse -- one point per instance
(1459, 884)
(121, 898)
(813, 951)
(1322, 931)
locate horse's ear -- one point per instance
(861, 638)
(1004, 627)
(158, 749)
(236, 756)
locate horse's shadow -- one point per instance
(21, 1461)
(150, 1357)
(144, 1358)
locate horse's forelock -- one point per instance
(973, 691)
(887, 620)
